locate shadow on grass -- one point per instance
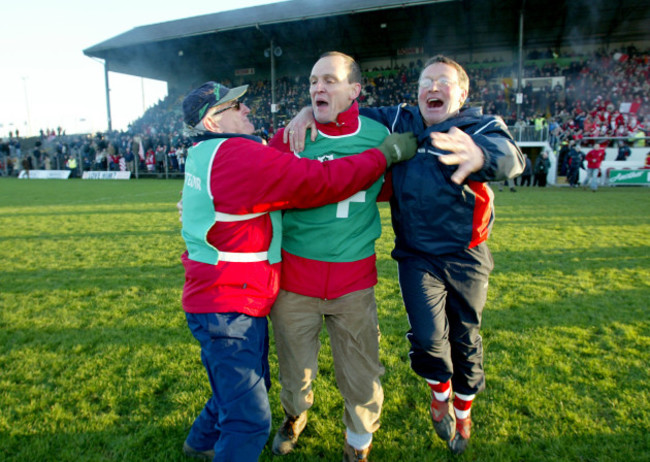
(91, 282)
(124, 441)
(583, 311)
(92, 340)
(560, 260)
(570, 260)
(155, 442)
(117, 211)
(579, 446)
(126, 234)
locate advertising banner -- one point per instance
(640, 176)
(106, 175)
(44, 175)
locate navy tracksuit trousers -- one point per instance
(236, 420)
(444, 298)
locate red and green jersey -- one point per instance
(329, 251)
(345, 231)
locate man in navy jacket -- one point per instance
(442, 212)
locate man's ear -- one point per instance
(463, 97)
(211, 125)
(355, 90)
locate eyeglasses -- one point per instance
(235, 105)
(427, 82)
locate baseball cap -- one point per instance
(210, 94)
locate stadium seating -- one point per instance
(599, 95)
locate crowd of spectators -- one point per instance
(604, 94)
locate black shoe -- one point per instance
(460, 441)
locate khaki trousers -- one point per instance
(353, 328)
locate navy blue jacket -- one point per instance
(431, 214)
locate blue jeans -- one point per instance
(592, 178)
(236, 420)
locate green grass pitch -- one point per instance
(97, 363)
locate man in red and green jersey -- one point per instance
(329, 273)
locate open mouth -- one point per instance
(321, 102)
(434, 103)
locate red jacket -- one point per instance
(319, 279)
(595, 157)
(248, 177)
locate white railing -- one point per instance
(529, 133)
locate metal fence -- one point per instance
(529, 133)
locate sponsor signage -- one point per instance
(629, 177)
(106, 175)
(45, 174)
(410, 51)
(246, 71)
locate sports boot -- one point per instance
(189, 451)
(287, 436)
(461, 440)
(442, 416)
(351, 454)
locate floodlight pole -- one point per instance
(519, 95)
(272, 53)
(272, 56)
(108, 96)
(142, 93)
(29, 119)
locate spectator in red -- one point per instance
(594, 158)
(150, 160)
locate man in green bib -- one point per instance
(329, 273)
(234, 189)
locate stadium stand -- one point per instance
(584, 107)
(585, 97)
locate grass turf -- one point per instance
(97, 363)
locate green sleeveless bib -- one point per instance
(199, 214)
(345, 231)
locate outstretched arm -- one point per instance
(490, 154)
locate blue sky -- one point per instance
(45, 79)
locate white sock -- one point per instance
(359, 441)
(442, 396)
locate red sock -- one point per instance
(441, 390)
(462, 405)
